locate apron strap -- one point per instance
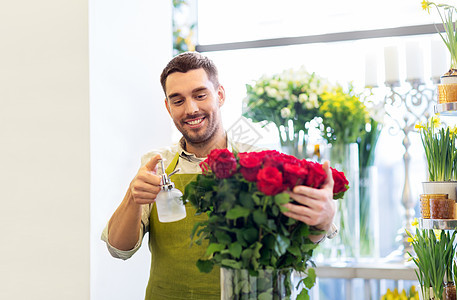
(174, 162)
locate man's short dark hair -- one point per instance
(190, 61)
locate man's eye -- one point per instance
(201, 96)
(177, 102)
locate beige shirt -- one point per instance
(189, 164)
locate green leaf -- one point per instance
(311, 279)
(294, 250)
(269, 241)
(205, 266)
(246, 256)
(212, 247)
(231, 263)
(265, 296)
(282, 198)
(246, 200)
(275, 211)
(237, 212)
(303, 295)
(257, 198)
(250, 235)
(222, 237)
(235, 250)
(272, 225)
(281, 245)
(240, 237)
(260, 217)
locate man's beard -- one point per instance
(199, 139)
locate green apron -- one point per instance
(174, 274)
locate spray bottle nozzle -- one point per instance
(166, 182)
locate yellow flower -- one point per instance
(328, 114)
(437, 233)
(435, 122)
(453, 131)
(415, 222)
(410, 241)
(426, 5)
(419, 126)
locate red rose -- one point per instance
(250, 165)
(269, 181)
(294, 174)
(316, 175)
(341, 183)
(222, 162)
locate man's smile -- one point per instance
(194, 123)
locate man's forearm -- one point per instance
(124, 226)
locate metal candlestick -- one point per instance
(406, 106)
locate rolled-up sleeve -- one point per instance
(126, 254)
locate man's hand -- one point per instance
(146, 184)
(124, 226)
(317, 206)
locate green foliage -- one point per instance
(440, 150)
(289, 99)
(246, 230)
(290, 95)
(446, 13)
(343, 114)
(434, 259)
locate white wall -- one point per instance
(44, 150)
(130, 44)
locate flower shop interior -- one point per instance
(358, 83)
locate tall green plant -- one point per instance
(440, 150)
(446, 13)
(434, 259)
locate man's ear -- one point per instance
(221, 95)
(167, 105)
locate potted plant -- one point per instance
(446, 13)
(439, 143)
(434, 253)
(256, 246)
(289, 100)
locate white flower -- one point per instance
(259, 91)
(313, 85)
(283, 95)
(313, 98)
(271, 92)
(274, 83)
(282, 85)
(294, 98)
(285, 112)
(309, 105)
(377, 112)
(302, 98)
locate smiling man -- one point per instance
(193, 98)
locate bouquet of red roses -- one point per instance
(243, 195)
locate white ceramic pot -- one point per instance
(421, 297)
(441, 187)
(448, 79)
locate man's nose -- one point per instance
(191, 107)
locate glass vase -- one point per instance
(345, 157)
(369, 212)
(292, 142)
(268, 284)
